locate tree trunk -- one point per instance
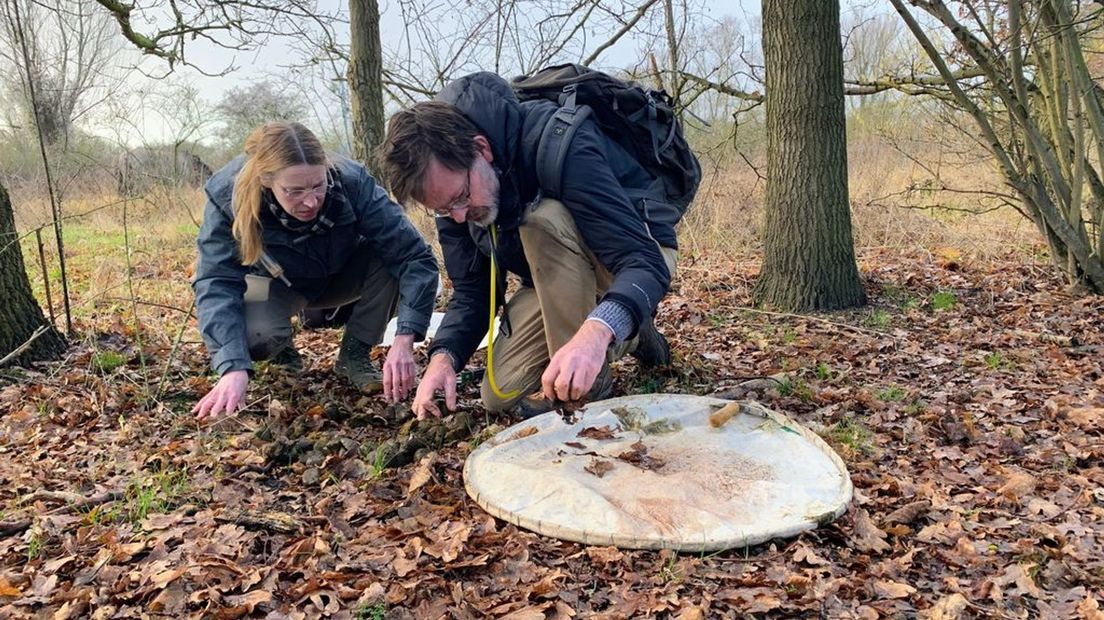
(365, 79)
(809, 253)
(20, 315)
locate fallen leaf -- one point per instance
(1089, 609)
(1088, 418)
(422, 473)
(403, 566)
(885, 588)
(948, 608)
(866, 536)
(597, 432)
(691, 613)
(804, 553)
(598, 467)
(8, 590)
(241, 605)
(525, 432)
(605, 555)
(533, 612)
(907, 514)
(1017, 485)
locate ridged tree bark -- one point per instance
(20, 315)
(365, 79)
(809, 252)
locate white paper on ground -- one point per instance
(434, 323)
(759, 476)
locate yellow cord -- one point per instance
(490, 327)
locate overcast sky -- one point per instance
(269, 60)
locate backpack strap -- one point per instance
(555, 138)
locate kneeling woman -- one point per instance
(288, 227)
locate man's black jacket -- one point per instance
(598, 179)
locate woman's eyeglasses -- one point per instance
(301, 193)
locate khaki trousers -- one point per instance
(270, 304)
(567, 282)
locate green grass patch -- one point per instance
(107, 361)
(796, 387)
(996, 361)
(892, 393)
(371, 611)
(852, 435)
(878, 319)
(943, 300)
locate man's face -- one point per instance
(462, 196)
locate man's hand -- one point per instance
(228, 395)
(439, 375)
(398, 369)
(573, 368)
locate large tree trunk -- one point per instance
(809, 258)
(20, 315)
(365, 79)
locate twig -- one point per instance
(73, 501)
(7, 528)
(275, 521)
(813, 318)
(45, 277)
(153, 304)
(172, 354)
(42, 329)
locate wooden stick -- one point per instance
(26, 345)
(718, 418)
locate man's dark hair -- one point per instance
(417, 134)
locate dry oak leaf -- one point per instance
(948, 608)
(604, 555)
(597, 432)
(804, 553)
(1017, 485)
(866, 536)
(599, 468)
(885, 588)
(907, 514)
(422, 473)
(8, 590)
(1018, 574)
(691, 613)
(1090, 609)
(533, 612)
(1088, 418)
(243, 604)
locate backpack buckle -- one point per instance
(567, 98)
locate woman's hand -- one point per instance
(228, 395)
(398, 369)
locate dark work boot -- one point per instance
(651, 347)
(288, 358)
(354, 362)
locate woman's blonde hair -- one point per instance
(269, 149)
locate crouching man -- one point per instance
(592, 269)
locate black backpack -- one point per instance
(641, 120)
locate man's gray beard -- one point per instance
(490, 181)
(487, 220)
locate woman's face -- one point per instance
(300, 190)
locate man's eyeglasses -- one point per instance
(462, 201)
(300, 193)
